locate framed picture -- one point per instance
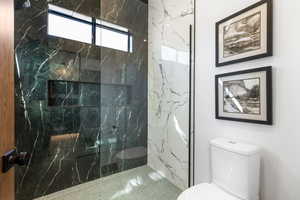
(245, 35)
(245, 96)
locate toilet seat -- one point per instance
(206, 191)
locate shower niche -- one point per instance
(86, 94)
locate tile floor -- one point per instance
(141, 183)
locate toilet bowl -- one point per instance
(206, 191)
(235, 173)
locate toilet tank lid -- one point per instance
(235, 147)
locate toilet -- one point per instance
(235, 172)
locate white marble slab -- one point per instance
(168, 92)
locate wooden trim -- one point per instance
(7, 111)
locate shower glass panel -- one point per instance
(124, 90)
(81, 92)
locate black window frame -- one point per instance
(93, 23)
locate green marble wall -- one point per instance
(97, 106)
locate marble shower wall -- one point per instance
(79, 107)
(168, 108)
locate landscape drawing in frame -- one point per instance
(245, 35)
(245, 96)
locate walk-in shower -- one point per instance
(103, 114)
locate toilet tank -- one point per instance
(235, 168)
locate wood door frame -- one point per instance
(7, 105)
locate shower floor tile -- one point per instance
(141, 183)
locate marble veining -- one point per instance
(97, 106)
(168, 93)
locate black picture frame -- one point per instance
(269, 39)
(268, 95)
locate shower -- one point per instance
(97, 106)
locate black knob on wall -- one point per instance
(12, 158)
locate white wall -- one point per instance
(281, 142)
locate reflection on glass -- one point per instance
(174, 55)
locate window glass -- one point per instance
(74, 26)
(112, 39)
(69, 28)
